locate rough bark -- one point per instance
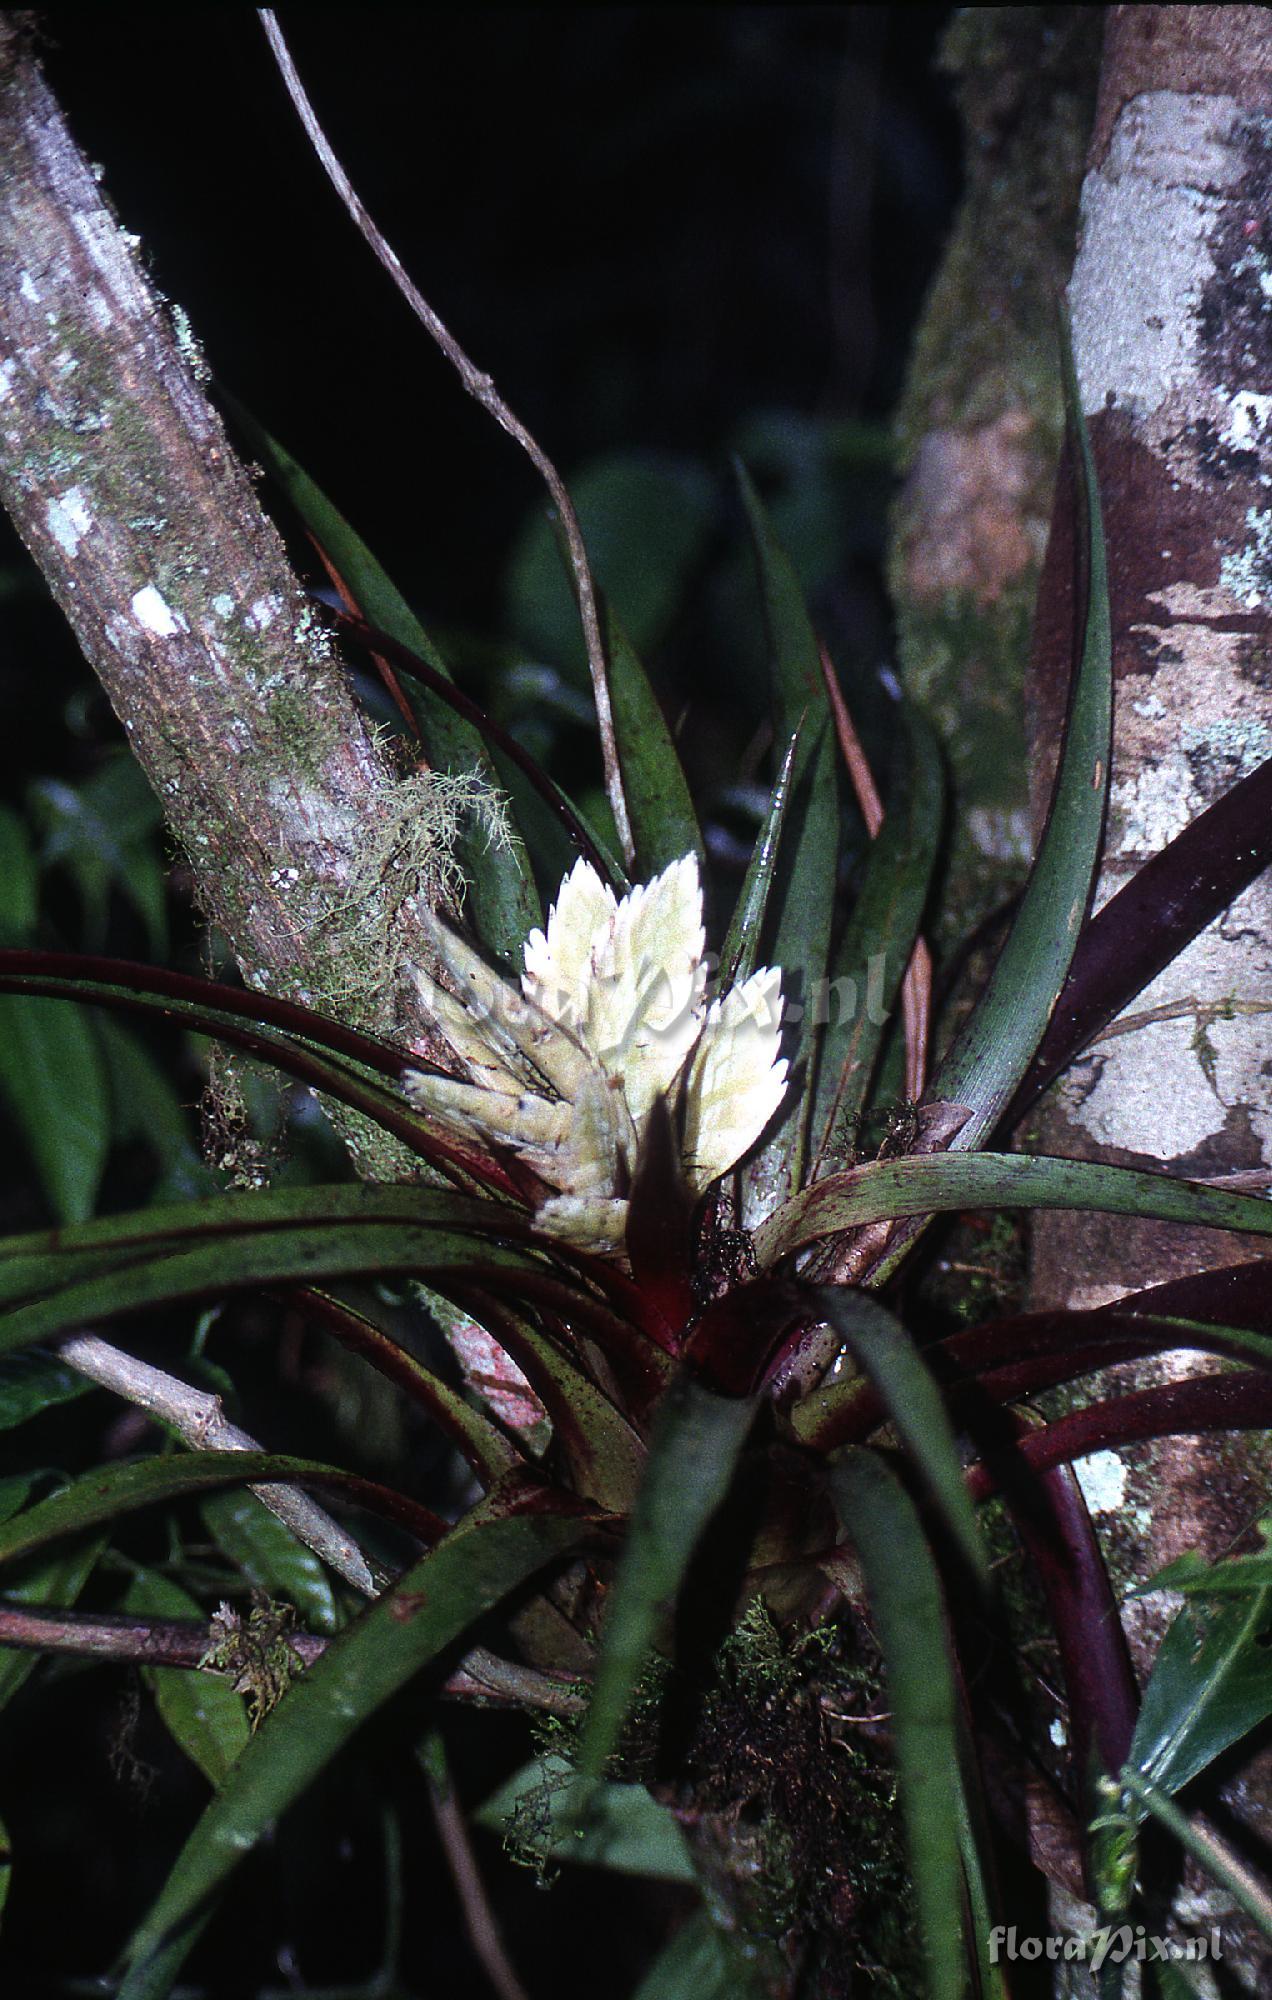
(117, 472)
(981, 419)
(1171, 299)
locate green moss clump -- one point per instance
(786, 1795)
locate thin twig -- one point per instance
(481, 387)
(185, 1642)
(150, 1642)
(1204, 1012)
(479, 1918)
(916, 987)
(1251, 1179)
(197, 1415)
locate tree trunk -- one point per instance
(1171, 302)
(117, 472)
(981, 421)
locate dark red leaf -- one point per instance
(1236, 1402)
(1147, 924)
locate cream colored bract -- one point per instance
(612, 1014)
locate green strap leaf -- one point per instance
(170, 1224)
(297, 1256)
(664, 823)
(875, 949)
(975, 1846)
(742, 946)
(936, 1184)
(802, 899)
(426, 1611)
(886, 1353)
(998, 1043)
(1205, 1846)
(696, 1442)
(116, 1490)
(201, 1712)
(54, 1079)
(909, 1617)
(103, 1268)
(301, 1049)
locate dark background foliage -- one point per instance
(670, 234)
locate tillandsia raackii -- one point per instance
(644, 1193)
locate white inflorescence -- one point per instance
(612, 1014)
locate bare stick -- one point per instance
(479, 1918)
(197, 1415)
(149, 1642)
(1202, 1012)
(481, 387)
(186, 1642)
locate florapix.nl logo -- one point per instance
(1113, 1944)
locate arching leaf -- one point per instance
(886, 1353)
(909, 1617)
(993, 1051)
(801, 901)
(697, 1439)
(871, 957)
(937, 1184)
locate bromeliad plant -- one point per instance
(739, 1556)
(640, 1190)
